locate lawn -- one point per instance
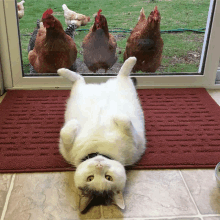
(181, 51)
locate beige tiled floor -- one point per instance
(151, 194)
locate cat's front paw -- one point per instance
(68, 132)
(121, 120)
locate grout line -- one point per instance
(158, 218)
(199, 214)
(211, 215)
(101, 210)
(8, 197)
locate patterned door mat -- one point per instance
(182, 129)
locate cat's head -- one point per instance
(100, 177)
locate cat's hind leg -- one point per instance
(74, 77)
(127, 66)
(125, 86)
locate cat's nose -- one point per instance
(99, 166)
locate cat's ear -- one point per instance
(84, 202)
(119, 200)
(123, 123)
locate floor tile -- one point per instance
(2, 97)
(215, 94)
(46, 196)
(5, 180)
(203, 187)
(153, 193)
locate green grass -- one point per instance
(124, 14)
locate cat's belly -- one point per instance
(96, 105)
(98, 112)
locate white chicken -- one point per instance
(20, 8)
(72, 17)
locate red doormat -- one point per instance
(182, 129)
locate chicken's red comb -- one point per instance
(155, 10)
(98, 15)
(47, 12)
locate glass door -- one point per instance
(190, 31)
(1, 81)
(217, 81)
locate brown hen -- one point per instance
(145, 42)
(53, 49)
(99, 46)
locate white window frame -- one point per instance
(12, 70)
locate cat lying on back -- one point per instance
(103, 132)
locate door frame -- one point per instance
(12, 66)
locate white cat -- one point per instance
(103, 132)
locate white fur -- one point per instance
(105, 118)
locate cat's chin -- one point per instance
(100, 160)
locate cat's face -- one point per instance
(98, 175)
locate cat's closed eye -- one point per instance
(90, 178)
(108, 177)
